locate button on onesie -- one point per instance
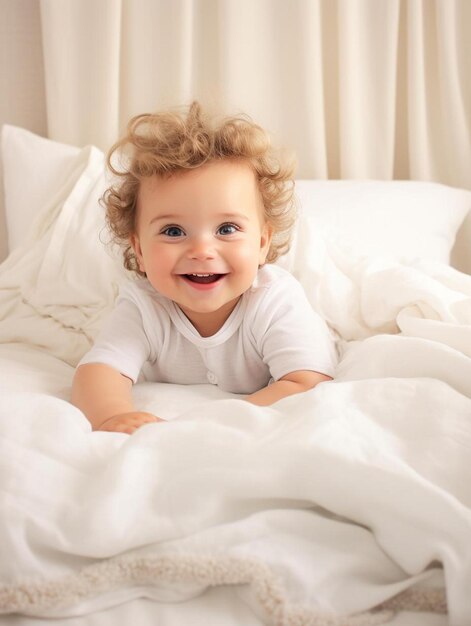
(212, 378)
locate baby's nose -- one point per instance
(202, 247)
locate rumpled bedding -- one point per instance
(325, 506)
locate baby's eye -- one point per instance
(227, 229)
(172, 231)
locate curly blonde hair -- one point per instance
(166, 143)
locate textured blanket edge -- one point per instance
(31, 597)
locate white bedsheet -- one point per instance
(329, 502)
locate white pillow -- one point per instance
(60, 280)
(402, 220)
(32, 166)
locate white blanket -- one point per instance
(327, 503)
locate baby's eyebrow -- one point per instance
(233, 216)
(171, 217)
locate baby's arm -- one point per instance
(104, 395)
(294, 382)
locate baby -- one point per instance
(203, 208)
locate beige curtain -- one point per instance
(358, 88)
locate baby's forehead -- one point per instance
(219, 183)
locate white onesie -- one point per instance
(272, 331)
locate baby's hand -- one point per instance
(128, 422)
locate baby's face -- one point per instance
(201, 237)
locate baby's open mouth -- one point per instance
(203, 278)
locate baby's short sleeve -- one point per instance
(291, 336)
(122, 342)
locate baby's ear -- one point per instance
(136, 246)
(265, 241)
